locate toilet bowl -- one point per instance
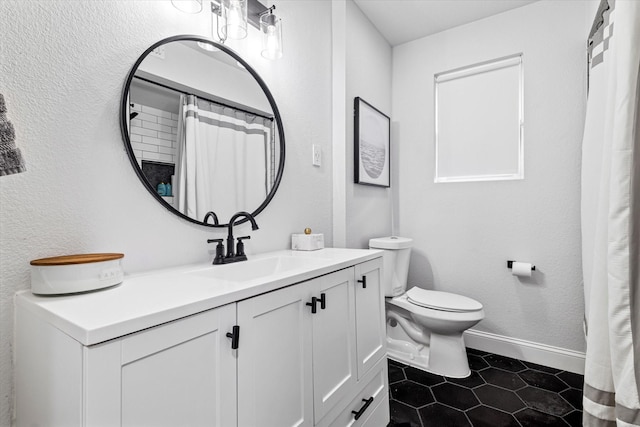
(424, 327)
(441, 328)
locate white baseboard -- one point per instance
(542, 354)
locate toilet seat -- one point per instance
(412, 309)
(443, 301)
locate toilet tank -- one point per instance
(395, 260)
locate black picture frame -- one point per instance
(372, 145)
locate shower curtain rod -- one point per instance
(195, 92)
(599, 19)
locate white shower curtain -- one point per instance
(224, 159)
(611, 221)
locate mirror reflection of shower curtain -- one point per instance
(225, 159)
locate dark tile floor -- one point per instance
(501, 392)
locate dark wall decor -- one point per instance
(371, 145)
(11, 160)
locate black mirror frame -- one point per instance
(124, 127)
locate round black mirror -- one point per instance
(202, 130)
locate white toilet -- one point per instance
(424, 328)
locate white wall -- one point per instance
(62, 68)
(465, 232)
(368, 75)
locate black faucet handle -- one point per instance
(219, 250)
(240, 245)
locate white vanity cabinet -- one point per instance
(178, 373)
(368, 398)
(311, 352)
(300, 368)
(371, 343)
(296, 362)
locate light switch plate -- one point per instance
(317, 155)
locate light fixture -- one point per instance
(188, 6)
(271, 31)
(233, 19)
(215, 8)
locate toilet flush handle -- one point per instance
(363, 281)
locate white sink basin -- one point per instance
(253, 269)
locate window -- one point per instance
(479, 122)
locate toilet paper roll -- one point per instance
(521, 269)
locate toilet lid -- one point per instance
(444, 301)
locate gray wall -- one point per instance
(368, 75)
(465, 232)
(63, 65)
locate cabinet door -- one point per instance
(274, 359)
(334, 341)
(179, 373)
(370, 315)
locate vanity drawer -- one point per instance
(380, 415)
(374, 385)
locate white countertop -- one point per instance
(148, 299)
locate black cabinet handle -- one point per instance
(358, 414)
(235, 337)
(363, 281)
(323, 301)
(312, 304)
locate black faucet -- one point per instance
(239, 254)
(231, 256)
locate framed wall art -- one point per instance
(371, 145)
